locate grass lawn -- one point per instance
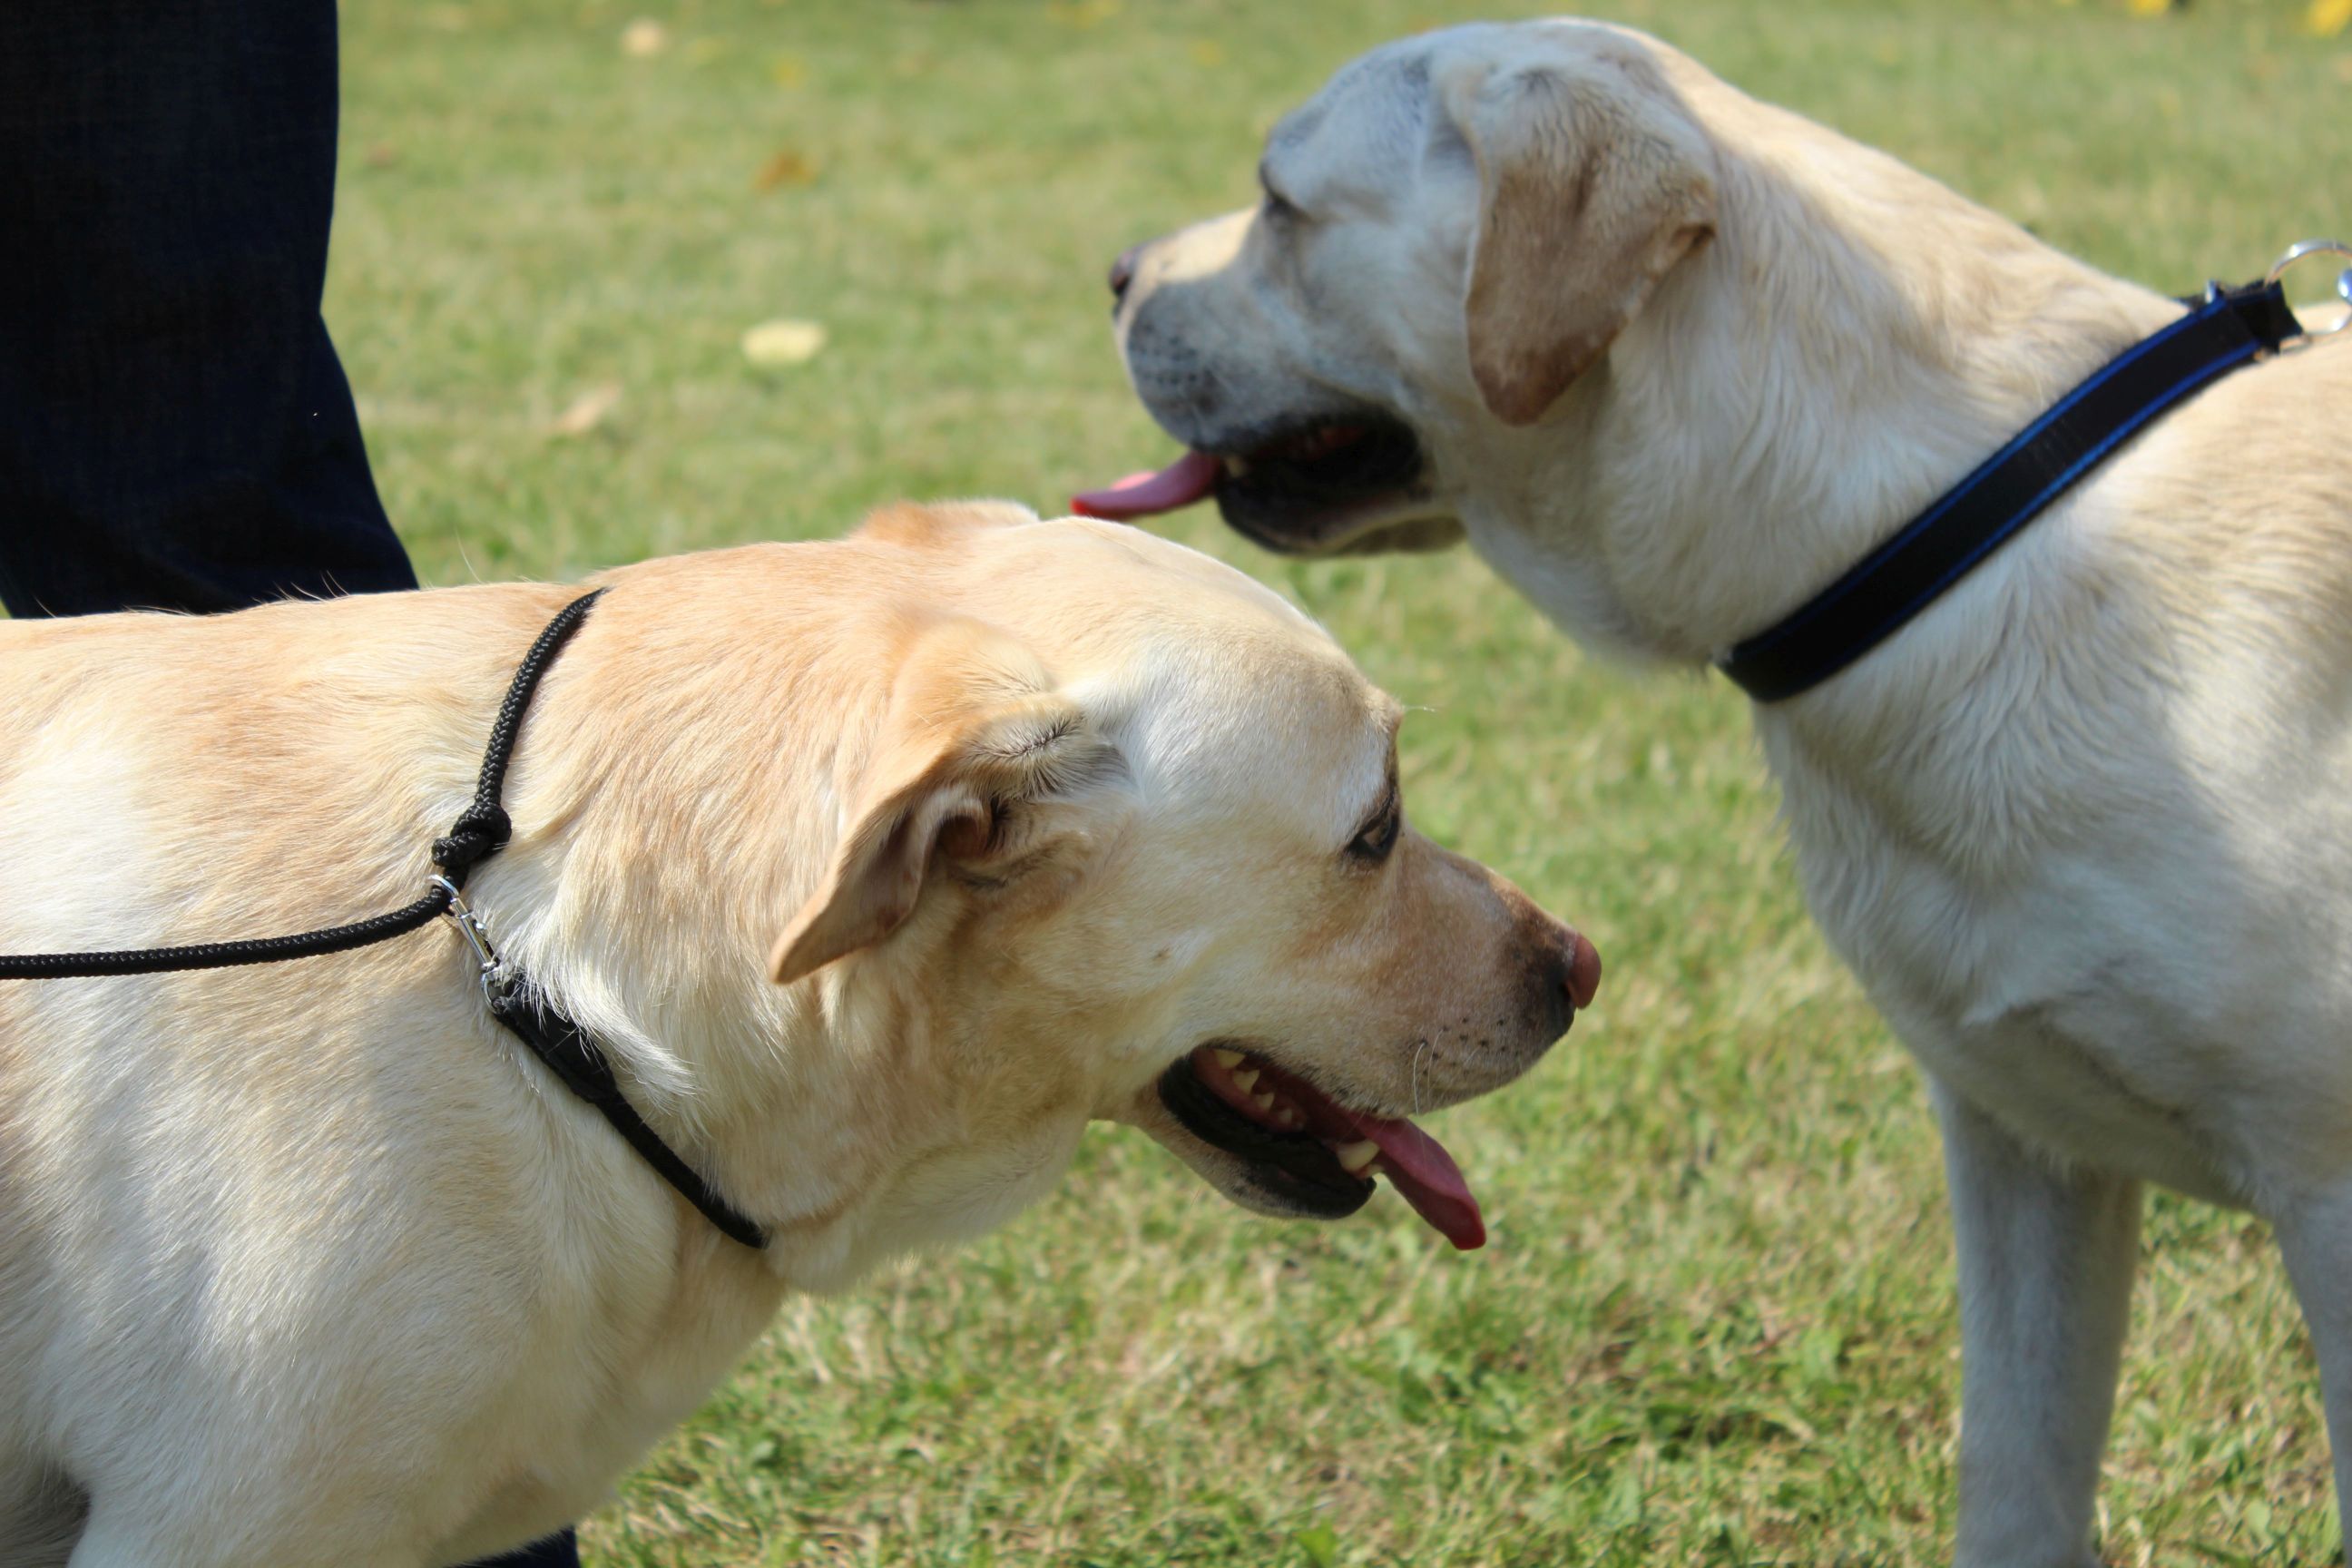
(1715, 1321)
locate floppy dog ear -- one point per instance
(1591, 187)
(974, 732)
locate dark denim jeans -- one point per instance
(175, 431)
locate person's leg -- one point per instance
(175, 432)
(174, 429)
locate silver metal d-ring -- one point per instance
(2303, 249)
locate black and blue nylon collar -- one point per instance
(2225, 329)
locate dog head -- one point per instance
(1450, 237)
(1125, 841)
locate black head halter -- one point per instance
(514, 998)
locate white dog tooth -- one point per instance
(1226, 1059)
(1245, 1081)
(1354, 1157)
(1263, 1102)
(1286, 1116)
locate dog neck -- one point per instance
(1793, 394)
(648, 877)
(1796, 394)
(831, 1111)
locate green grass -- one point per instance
(1716, 1323)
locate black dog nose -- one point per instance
(1122, 271)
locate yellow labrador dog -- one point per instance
(1671, 360)
(878, 867)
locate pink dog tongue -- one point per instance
(1425, 1176)
(1187, 480)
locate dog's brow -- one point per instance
(1294, 128)
(1389, 785)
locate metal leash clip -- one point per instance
(2302, 250)
(470, 926)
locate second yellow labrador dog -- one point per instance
(878, 867)
(1672, 360)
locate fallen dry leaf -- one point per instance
(786, 170)
(587, 410)
(643, 38)
(784, 341)
(1083, 14)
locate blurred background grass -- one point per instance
(1715, 1324)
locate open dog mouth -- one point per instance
(1275, 487)
(1308, 1152)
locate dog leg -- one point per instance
(2045, 1264)
(2316, 1238)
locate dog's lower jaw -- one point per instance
(1412, 525)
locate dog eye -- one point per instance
(1379, 834)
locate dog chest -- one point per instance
(2131, 1022)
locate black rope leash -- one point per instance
(482, 832)
(514, 998)
(225, 954)
(484, 828)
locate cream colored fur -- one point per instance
(308, 1264)
(2083, 829)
